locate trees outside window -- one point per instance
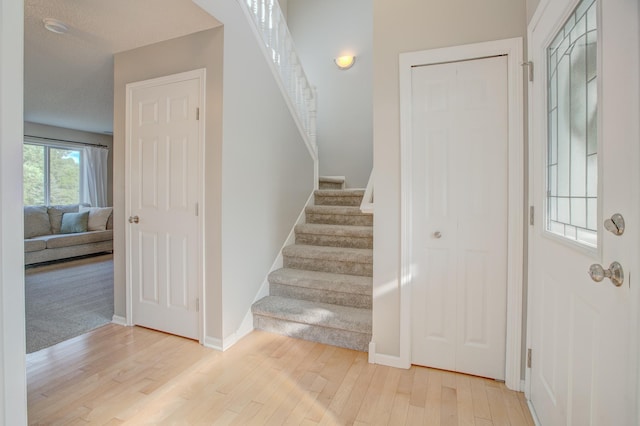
(51, 175)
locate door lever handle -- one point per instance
(134, 219)
(614, 273)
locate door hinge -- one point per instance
(531, 215)
(529, 66)
(197, 113)
(197, 304)
(197, 209)
(529, 358)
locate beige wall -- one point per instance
(404, 26)
(46, 131)
(531, 8)
(345, 116)
(199, 50)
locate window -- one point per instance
(51, 175)
(572, 154)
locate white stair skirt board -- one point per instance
(323, 293)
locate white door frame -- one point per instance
(512, 48)
(199, 74)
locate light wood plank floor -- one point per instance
(116, 375)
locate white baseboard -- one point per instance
(388, 360)
(212, 343)
(117, 319)
(223, 344)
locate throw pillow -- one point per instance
(55, 215)
(36, 221)
(73, 223)
(98, 217)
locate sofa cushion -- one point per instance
(67, 240)
(34, 245)
(55, 215)
(36, 221)
(98, 217)
(73, 223)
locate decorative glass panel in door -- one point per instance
(572, 152)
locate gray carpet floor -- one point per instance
(65, 300)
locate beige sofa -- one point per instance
(44, 240)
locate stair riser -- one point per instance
(330, 185)
(331, 200)
(334, 241)
(342, 338)
(323, 296)
(340, 219)
(335, 266)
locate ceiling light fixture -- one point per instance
(55, 26)
(345, 62)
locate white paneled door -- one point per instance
(163, 202)
(585, 156)
(459, 215)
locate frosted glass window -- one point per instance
(572, 145)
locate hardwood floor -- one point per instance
(120, 375)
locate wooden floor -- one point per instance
(117, 375)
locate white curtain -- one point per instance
(94, 176)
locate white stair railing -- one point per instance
(271, 29)
(367, 200)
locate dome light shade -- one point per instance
(55, 26)
(345, 62)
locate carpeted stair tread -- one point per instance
(336, 230)
(338, 197)
(323, 293)
(335, 235)
(353, 284)
(339, 193)
(331, 182)
(338, 215)
(331, 179)
(346, 210)
(329, 253)
(313, 313)
(324, 287)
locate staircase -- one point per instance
(323, 292)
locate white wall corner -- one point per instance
(212, 343)
(391, 361)
(388, 360)
(119, 320)
(372, 352)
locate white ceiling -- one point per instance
(68, 78)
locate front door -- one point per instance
(460, 215)
(584, 141)
(163, 193)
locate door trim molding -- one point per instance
(513, 49)
(200, 75)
